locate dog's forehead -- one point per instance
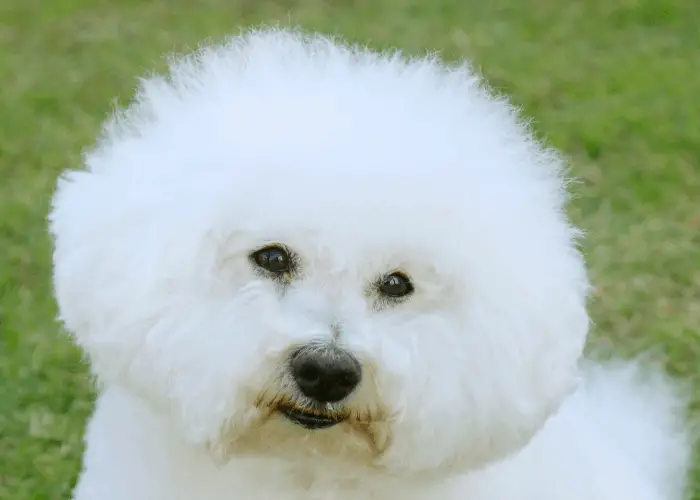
(394, 164)
(369, 231)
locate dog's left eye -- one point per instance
(274, 259)
(396, 285)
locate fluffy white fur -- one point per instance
(363, 163)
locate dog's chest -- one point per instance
(305, 483)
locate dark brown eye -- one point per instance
(274, 259)
(396, 285)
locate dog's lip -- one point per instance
(308, 420)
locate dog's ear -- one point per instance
(72, 231)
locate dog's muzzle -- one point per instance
(324, 375)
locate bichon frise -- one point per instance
(306, 270)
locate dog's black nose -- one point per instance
(325, 373)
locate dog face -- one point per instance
(297, 249)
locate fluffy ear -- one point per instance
(88, 271)
(138, 282)
(75, 225)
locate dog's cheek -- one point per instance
(416, 367)
(430, 418)
(215, 370)
(468, 393)
(200, 360)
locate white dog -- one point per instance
(304, 270)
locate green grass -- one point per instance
(613, 83)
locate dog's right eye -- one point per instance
(274, 259)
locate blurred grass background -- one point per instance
(613, 83)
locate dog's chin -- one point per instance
(310, 420)
(291, 431)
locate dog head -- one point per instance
(296, 248)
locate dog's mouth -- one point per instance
(309, 420)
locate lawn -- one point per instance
(613, 83)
